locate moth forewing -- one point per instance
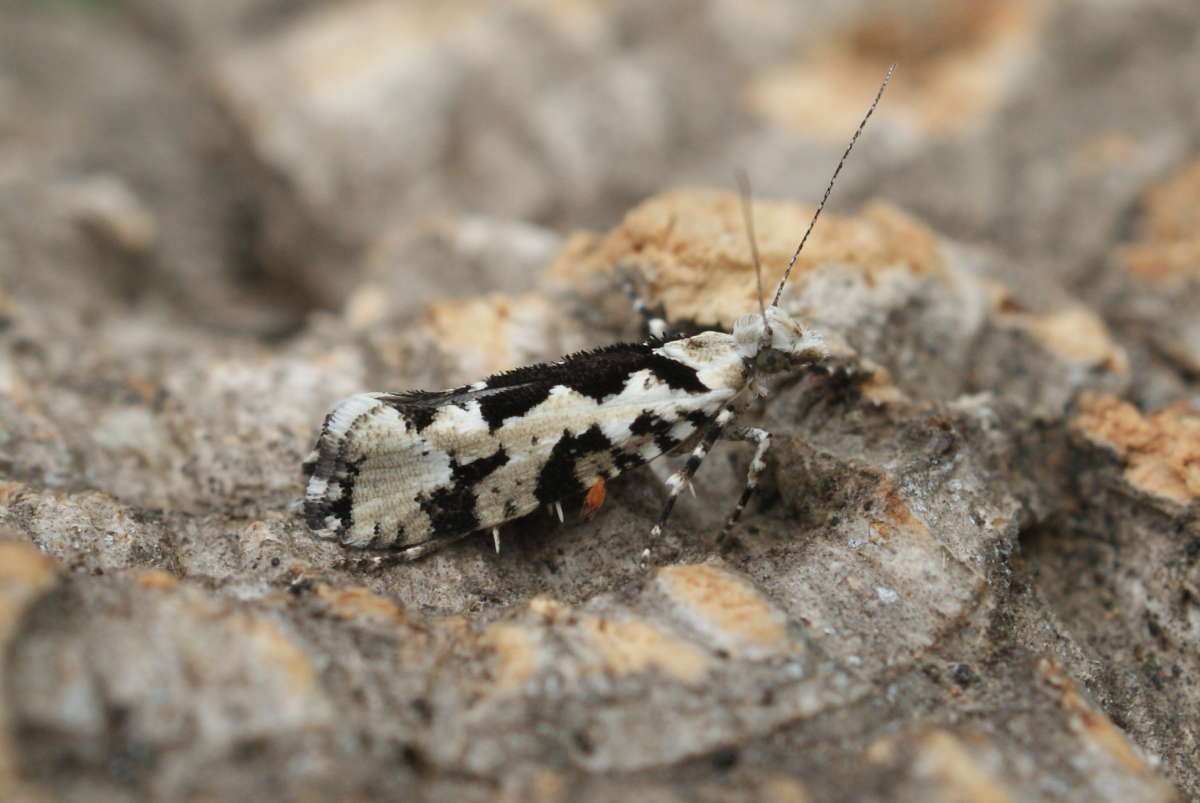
(410, 470)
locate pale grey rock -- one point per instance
(971, 572)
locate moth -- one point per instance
(413, 471)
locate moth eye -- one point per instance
(771, 361)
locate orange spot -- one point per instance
(594, 498)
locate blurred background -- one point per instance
(246, 161)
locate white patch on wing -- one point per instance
(316, 487)
(682, 430)
(465, 420)
(649, 450)
(348, 410)
(463, 433)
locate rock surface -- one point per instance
(973, 572)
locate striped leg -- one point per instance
(683, 477)
(757, 464)
(656, 325)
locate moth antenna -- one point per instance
(832, 180)
(743, 182)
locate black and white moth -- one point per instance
(416, 470)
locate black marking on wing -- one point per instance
(325, 457)
(510, 402)
(677, 375)
(451, 508)
(557, 478)
(418, 407)
(598, 374)
(624, 460)
(472, 473)
(342, 508)
(649, 423)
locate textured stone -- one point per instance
(970, 573)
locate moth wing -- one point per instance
(382, 457)
(412, 470)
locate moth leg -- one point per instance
(496, 538)
(683, 477)
(655, 325)
(757, 464)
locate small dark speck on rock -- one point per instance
(583, 742)
(964, 675)
(413, 757)
(1192, 550)
(725, 759)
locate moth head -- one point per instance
(777, 343)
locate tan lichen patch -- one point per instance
(1075, 333)
(630, 646)
(156, 580)
(516, 653)
(1079, 335)
(1161, 450)
(270, 647)
(1104, 149)
(580, 22)
(10, 492)
(782, 789)
(549, 609)
(726, 608)
(896, 508)
(357, 602)
(358, 50)
(1168, 245)
(956, 65)
(491, 334)
(542, 785)
(601, 644)
(947, 760)
(691, 245)
(878, 387)
(25, 574)
(897, 516)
